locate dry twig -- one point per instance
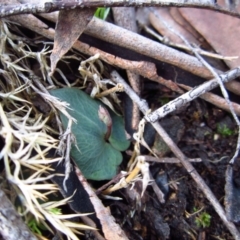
(190, 95)
(111, 229)
(145, 69)
(51, 6)
(215, 100)
(126, 18)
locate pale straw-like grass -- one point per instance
(28, 135)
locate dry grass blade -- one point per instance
(29, 137)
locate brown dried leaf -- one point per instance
(221, 31)
(165, 17)
(176, 15)
(70, 26)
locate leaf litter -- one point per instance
(29, 134)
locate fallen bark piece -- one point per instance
(12, 226)
(110, 228)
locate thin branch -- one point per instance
(184, 47)
(51, 6)
(160, 195)
(143, 106)
(122, 37)
(167, 159)
(110, 228)
(215, 100)
(145, 69)
(127, 39)
(126, 18)
(191, 95)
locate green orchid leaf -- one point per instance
(102, 13)
(97, 158)
(118, 136)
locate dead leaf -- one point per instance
(69, 27)
(176, 15)
(166, 18)
(220, 30)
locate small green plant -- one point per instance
(102, 13)
(35, 226)
(224, 130)
(164, 100)
(99, 143)
(203, 220)
(56, 211)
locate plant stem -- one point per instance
(46, 7)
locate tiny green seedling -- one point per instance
(102, 13)
(203, 220)
(164, 100)
(57, 211)
(224, 130)
(35, 226)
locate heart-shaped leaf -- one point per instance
(97, 158)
